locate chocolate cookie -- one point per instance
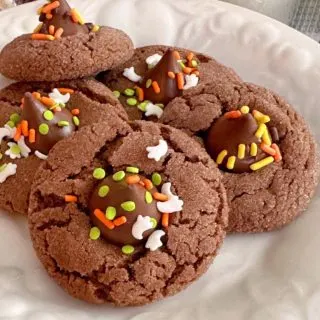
(64, 47)
(263, 147)
(157, 74)
(27, 135)
(127, 215)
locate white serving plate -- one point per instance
(256, 277)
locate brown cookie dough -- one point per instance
(98, 271)
(273, 196)
(209, 71)
(81, 50)
(94, 101)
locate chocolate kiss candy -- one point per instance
(168, 86)
(61, 18)
(34, 112)
(227, 134)
(119, 193)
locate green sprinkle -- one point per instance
(127, 249)
(3, 167)
(148, 83)
(194, 63)
(132, 169)
(148, 197)
(161, 105)
(182, 65)
(154, 222)
(103, 191)
(132, 101)
(94, 233)
(116, 93)
(44, 129)
(10, 124)
(129, 92)
(15, 118)
(118, 176)
(128, 206)
(63, 123)
(99, 173)
(76, 121)
(111, 213)
(143, 106)
(156, 179)
(48, 115)
(15, 149)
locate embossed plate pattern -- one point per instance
(256, 277)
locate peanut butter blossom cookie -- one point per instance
(262, 146)
(63, 46)
(114, 216)
(33, 118)
(157, 74)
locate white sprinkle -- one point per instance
(153, 110)
(191, 81)
(131, 74)
(58, 97)
(140, 226)
(159, 151)
(173, 204)
(7, 170)
(154, 241)
(24, 149)
(7, 131)
(11, 154)
(40, 155)
(153, 60)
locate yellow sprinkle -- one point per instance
(95, 28)
(231, 162)
(253, 149)
(38, 28)
(260, 117)
(245, 109)
(266, 138)
(241, 151)
(262, 163)
(221, 156)
(261, 129)
(79, 16)
(264, 119)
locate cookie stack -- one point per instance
(132, 165)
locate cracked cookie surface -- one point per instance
(98, 271)
(71, 57)
(95, 103)
(269, 198)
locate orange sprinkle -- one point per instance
(196, 72)
(133, 179)
(165, 220)
(36, 95)
(40, 36)
(160, 196)
(141, 183)
(70, 198)
(120, 221)
(264, 147)
(57, 109)
(32, 136)
(233, 114)
(66, 90)
(75, 112)
(49, 16)
(148, 184)
(76, 17)
(176, 55)
(187, 70)
(47, 101)
(140, 93)
(190, 56)
(17, 136)
(25, 128)
(51, 29)
(51, 6)
(171, 75)
(101, 216)
(180, 80)
(155, 87)
(58, 33)
(277, 156)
